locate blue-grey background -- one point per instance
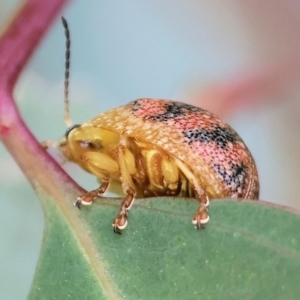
(122, 50)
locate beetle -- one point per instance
(157, 147)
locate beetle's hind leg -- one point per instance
(201, 217)
(88, 198)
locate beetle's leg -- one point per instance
(102, 166)
(127, 168)
(47, 144)
(88, 198)
(201, 217)
(120, 221)
(153, 160)
(170, 173)
(64, 149)
(162, 171)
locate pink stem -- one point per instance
(23, 36)
(16, 46)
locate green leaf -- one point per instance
(249, 250)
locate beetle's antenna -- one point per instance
(67, 72)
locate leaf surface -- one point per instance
(249, 250)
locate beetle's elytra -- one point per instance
(156, 147)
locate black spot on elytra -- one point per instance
(173, 110)
(135, 105)
(219, 135)
(235, 177)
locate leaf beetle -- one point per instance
(156, 147)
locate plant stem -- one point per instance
(17, 44)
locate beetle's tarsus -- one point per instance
(201, 217)
(117, 230)
(88, 198)
(78, 203)
(200, 225)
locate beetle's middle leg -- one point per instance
(102, 166)
(127, 168)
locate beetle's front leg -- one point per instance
(102, 166)
(88, 198)
(127, 168)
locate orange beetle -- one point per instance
(157, 147)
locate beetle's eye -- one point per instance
(86, 144)
(70, 129)
(95, 144)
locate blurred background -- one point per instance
(239, 59)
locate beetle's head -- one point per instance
(79, 139)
